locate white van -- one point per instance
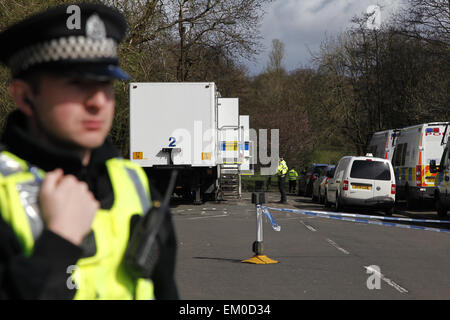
(363, 182)
(442, 192)
(415, 147)
(382, 143)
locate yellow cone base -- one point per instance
(260, 259)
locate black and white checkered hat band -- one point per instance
(73, 48)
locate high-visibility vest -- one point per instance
(282, 168)
(102, 275)
(292, 175)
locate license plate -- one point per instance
(360, 187)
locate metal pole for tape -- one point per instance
(258, 245)
(258, 198)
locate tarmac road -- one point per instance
(318, 258)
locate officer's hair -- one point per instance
(33, 79)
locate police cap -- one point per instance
(77, 40)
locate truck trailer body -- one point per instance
(174, 126)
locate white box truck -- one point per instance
(246, 146)
(174, 125)
(230, 155)
(228, 130)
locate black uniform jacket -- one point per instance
(44, 274)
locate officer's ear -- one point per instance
(21, 92)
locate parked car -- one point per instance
(324, 185)
(307, 178)
(363, 182)
(319, 183)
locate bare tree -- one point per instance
(276, 56)
(428, 20)
(230, 26)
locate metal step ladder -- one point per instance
(230, 182)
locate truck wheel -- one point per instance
(441, 209)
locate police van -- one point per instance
(382, 143)
(442, 191)
(415, 147)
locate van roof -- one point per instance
(428, 124)
(366, 158)
(386, 131)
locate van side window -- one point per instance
(445, 158)
(343, 167)
(405, 147)
(397, 155)
(400, 154)
(340, 167)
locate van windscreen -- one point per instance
(373, 170)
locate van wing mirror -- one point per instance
(433, 167)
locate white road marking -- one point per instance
(310, 228)
(334, 244)
(196, 218)
(387, 280)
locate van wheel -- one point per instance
(440, 208)
(389, 212)
(338, 204)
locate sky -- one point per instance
(304, 24)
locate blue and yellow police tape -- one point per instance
(365, 219)
(270, 219)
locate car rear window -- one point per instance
(373, 170)
(318, 169)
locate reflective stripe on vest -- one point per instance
(282, 168)
(292, 175)
(102, 275)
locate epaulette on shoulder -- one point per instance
(8, 165)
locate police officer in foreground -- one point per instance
(68, 203)
(282, 171)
